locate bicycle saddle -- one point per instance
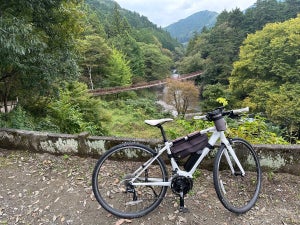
(157, 122)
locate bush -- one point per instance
(18, 118)
(76, 111)
(256, 130)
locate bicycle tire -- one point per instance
(237, 193)
(110, 181)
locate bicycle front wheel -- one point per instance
(237, 192)
(112, 180)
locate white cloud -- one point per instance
(165, 12)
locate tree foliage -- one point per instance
(157, 65)
(75, 111)
(283, 107)
(267, 73)
(120, 72)
(141, 42)
(211, 93)
(133, 54)
(93, 48)
(215, 50)
(37, 47)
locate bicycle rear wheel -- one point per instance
(236, 192)
(113, 173)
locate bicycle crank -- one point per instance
(181, 186)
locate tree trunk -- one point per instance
(90, 77)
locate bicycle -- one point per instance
(130, 180)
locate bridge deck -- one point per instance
(114, 90)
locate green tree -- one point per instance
(116, 24)
(157, 64)
(93, 48)
(283, 106)
(95, 59)
(119, 73)
(211, 93)
(18, 42)
(269, 11)
(126, 43)
(215, 50)
(76, 110)
(129, 33)
(269, 62)
(37, 47)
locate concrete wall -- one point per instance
(283, 158)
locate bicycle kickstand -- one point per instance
(181, 207)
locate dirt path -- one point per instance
(48, 189)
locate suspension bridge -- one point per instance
(115, 90)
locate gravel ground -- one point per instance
(47, 189)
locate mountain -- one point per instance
(184, 29)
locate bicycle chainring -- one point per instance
(181, 184)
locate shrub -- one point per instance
(76, 111)
(18, 118)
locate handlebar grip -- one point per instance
(200, 117)
(239, 111)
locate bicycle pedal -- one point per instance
(183, 210)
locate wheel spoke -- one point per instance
(237, 192)
(114, 173)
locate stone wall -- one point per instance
(283, 158)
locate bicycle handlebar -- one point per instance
(200, 117)
(239, 111)
(231, 113)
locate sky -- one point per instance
(166, 12)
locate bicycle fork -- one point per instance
(233, 155)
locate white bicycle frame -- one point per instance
(216, 135)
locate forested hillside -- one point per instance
(147, 49)
(185, 29)
(251, 63)
(48, 46)
(53, 52)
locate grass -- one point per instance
(124, 124)
(127, 118)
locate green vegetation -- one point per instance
(253, 64)
(275, 87)
(128, 118)
(53, 52)
(75, 110)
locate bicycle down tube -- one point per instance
(142, 168)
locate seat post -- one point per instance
(162, 132)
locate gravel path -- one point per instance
(48, 189)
